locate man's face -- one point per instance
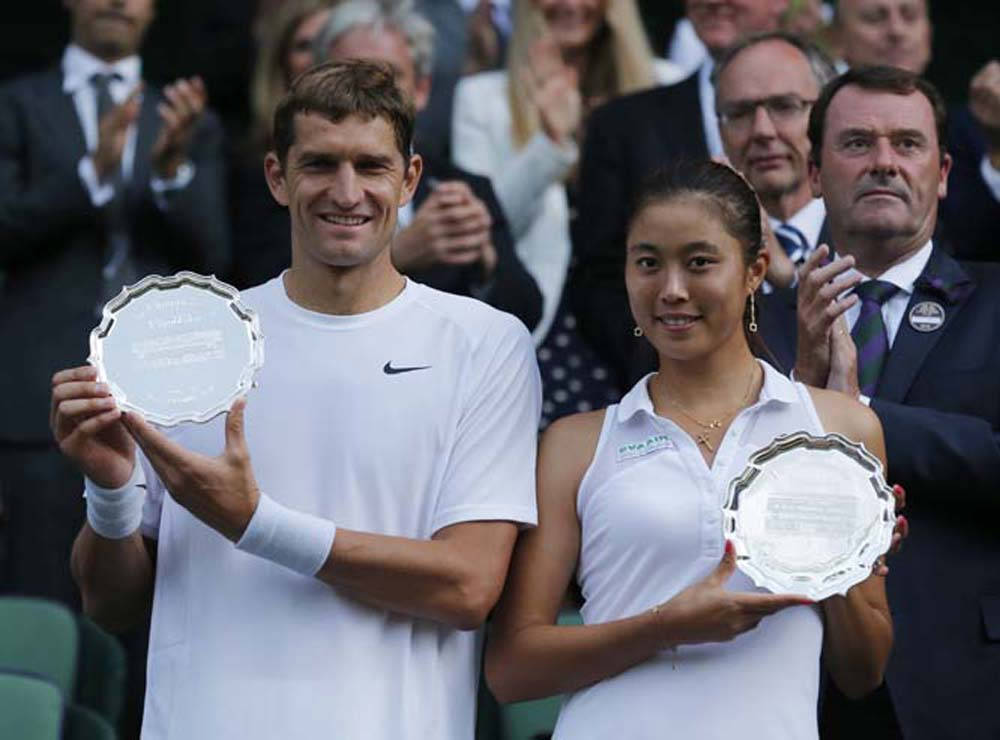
(881, 173)
(387, 46)
(573, 23)
(896, 33)
(720, 23)
(342, 183)
(110, 29)
(768, 142)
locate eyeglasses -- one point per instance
(781, 109)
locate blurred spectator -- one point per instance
(898, 33)
(522, 128)
(470, 35)
(103, 179)
(626, 141)
(764, 88)
(260, 226)
(806, 18)
(454, 236)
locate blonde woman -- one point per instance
(284, 51)
(521, 126)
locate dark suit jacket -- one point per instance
(263, 242)
(52, 239)
(511, 287)
(626, 140)
(939, 404)
(969, 218)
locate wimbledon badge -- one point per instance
(176, 349)
(809, 515)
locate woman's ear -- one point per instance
(757, 270)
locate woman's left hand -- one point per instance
(899, 533)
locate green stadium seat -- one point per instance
(31, 708)
(41, 638)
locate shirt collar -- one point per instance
(79, 65)
(706, 96)
(776, 387)
(904, 274)
(808, 219)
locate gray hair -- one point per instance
(820, 65)
(380, 15)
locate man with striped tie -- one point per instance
(764, 87)
(897, 322)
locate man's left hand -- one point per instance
(180, 111)
(899, 532)
(221, 491)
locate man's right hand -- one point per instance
(86, 423)
(452, 227)
(819, 306)
(111, 131)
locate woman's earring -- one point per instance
(637, 331)
(752, 326)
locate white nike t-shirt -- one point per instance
(400, 421)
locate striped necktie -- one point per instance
(117, 269)
(869, 333)
(794, 242)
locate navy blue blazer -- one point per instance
(626, 140)
(939, 404)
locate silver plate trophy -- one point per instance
(176, 349)
(809, 515)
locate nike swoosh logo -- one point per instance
(388, 369)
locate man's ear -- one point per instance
(411, 177)
(945, 169)
(421, 92)
(274, 173)
(814, 184)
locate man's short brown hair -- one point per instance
(336, 90)
(877, 79)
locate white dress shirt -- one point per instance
(78, 67)
(709, 120)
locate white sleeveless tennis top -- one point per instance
(651, 521)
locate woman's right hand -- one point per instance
(707, 612)
(86, 423)
(553, 87)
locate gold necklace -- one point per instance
(713, 424)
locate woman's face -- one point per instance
(686, 277)
(299, 56)
(573, 23)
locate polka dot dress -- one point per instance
(573, 379)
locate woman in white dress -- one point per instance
(675, 641)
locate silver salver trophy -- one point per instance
(176, 349)
(809, 515)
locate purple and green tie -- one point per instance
(869, 333)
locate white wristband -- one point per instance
(294, 539)
(115, 513)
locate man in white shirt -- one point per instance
(898, 323)
(327, 573)
(764, 88)
(102, 179)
